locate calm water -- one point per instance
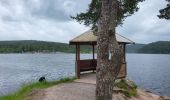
(149, 71)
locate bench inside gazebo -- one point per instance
(87, 65)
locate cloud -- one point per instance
(144, 26)
(49, 20)
(59, 10)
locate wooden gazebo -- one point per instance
(88, 38)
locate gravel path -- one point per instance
(66, 91)
(82, 91)
(71, 91)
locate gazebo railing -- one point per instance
(91, 64)
(87, 64)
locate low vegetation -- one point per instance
(127, 87)
(27, 88)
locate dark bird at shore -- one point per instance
(42, 79)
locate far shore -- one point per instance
(74, 53)
(38, 53)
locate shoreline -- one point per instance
(25, 89)
(37, 91)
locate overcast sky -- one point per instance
(49, 20)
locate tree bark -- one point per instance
(107, 67)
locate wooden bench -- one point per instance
(91, 64)
(87, 65)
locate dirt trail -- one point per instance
(82, 91)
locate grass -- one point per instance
(128, 90)
(27, 88)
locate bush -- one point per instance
(128, 88)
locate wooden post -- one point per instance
(125, 58)
(77, 67)
(76, 52)
(124, 51)
(93, 52)
(93, 57)
(76, 63)
(78, 60)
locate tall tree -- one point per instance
(165, 13)
(104, 16)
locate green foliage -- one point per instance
(127, 90)
(27, 88)
(160, 47)
(38, 46)
(165, 13)
(91, 16)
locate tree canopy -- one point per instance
(91, 16)
(165, 13)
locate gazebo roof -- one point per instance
(89, 38)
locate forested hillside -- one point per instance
(32, 46)
(160, 47)
(25, 46)
(133, 48)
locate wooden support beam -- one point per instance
(93, 56)
(76, 63)
(124, 51)
(76, 53)
(125, 59)
(93, 52)
(78, 60)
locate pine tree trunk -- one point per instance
(107, 68)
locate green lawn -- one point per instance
(27, 88)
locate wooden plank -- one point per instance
(93, 52)
(88, 64)
(122, 73)
(124, 51)
(78, 63)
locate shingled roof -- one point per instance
(88, 38)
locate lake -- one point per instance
(148, 71)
